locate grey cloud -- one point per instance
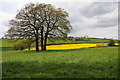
(89, 11)
(103, 23)
(98, 8)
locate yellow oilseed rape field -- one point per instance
(73, 46)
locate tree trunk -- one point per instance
(37, 46)
(45, 41)
(42, 39)
(29, 48)
(44, 47)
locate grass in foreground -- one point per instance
(99, 62)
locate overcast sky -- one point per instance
(88, 17)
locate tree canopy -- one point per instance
(40, 21)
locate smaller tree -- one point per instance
(111, 43)
(118, 42)
(23, 44)
(18, 46)
(28, 42)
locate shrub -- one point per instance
(111, 43)
(18, 46)
(23, 44)
(118, 42)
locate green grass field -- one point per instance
(101, 62)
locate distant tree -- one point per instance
(118, 42)
(111, 42)
(40, 21)
(104, 38)
(2, 38)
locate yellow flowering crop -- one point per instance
(117, 44)
(73, 46)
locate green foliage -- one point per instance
(118, 42)
(23, 44)
(19, 46)
(99, 62)
(111, 42)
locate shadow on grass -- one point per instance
(37, 69)
(6, 49)
(33, 51)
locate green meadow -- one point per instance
(99, 62)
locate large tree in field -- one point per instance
(40, 21)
